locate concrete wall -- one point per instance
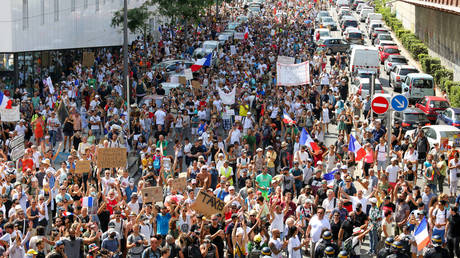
(439, 30)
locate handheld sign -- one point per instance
(152, 194)
(208, 205)
(111, 158)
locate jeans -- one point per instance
(52, 134)
(453, 246)
(374, 239)
(440, 183)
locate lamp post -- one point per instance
(125, 59)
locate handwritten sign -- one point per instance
(10, 115)
(188, 74)
(111, 157)
(182, 80)
(232, 50)
(179, 184)
(82, 166)
(196, 84)
(152, 194)
(292, 74)
(208, 205)
(88, 59)
(239, 35)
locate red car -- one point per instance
(431, 105)
(386, 51)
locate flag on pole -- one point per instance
(5, 102)
(201, 62)
(87, 202)
(246, 33)
(422, 238)
(305, 139)
(66, 213)
(329, 177)
(287, 119)
(356, 148)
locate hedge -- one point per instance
(418, 49)
(454, 95)
(401, 32)
(443, 73)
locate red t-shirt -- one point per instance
(27, 163)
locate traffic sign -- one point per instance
(399, 102)
(380, 105)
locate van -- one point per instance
(364, 12)
(417, 85)
(343, 3)
(373, 17)
(364, 57)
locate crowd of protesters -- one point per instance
(278, 202)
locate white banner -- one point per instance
(239, 35)
(292, 74)
(286, 60)
(188, 74)
(232, 50)
(227, 98)
(10, 115)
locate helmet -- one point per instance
(327, 235)
(257, 238)
(436, 240)
(343, 254)
(266, 251)
(397, 244)
(389, 241)
(329, 251)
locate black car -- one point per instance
(410, 118)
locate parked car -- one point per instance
(434, 133)
(363, 73)
(372, 26)
(386, 51)
(410, 118)
(355, 4)
(323, 33)
(333, 45)
(417, 85)
(354, 35)
(170, 66)
(364, 12)
(392, 61)
(363, 87)
(376, 31)
(450, 116)
(382, 36)
(328, 22)
(344, 12)
(432, 105)
(364, 57)
(383, 43)
(349, 22)
(322, 14)
(398, 75)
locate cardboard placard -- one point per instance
(82, 166)
(152, 194)
(182, 80)
(88, 59)
(111, 158)
(188, 74)
(179, 184)
(196, 84)
(208, 205)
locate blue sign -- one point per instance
(399, 103)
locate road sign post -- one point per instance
(389, 133)
(380, 105)
(372, 84)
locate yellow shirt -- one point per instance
(271, 157)
(244, 110)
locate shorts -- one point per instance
(381, 165)
(421, 157)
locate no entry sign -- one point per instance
(380, 105)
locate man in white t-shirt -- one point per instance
(160, 115)
(302, 155)
(392, 172)
(317, 224)
(454, 165)
(330, 203)
(381, 155)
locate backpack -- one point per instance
(157, 162)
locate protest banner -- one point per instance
(286, 60)
(10, 115)
(17, 141)
(208, 205)
(152, 194)
(180, 183)
(17, 152)
(88, 59)
(188, 74)
(232, 50)
(196, 84)
(82, 166)
(456, 141)
(292, 74)
(111, 157)
(239, 35)
(182, 80)
(227, 98)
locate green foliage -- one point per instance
(401, 32)
(443, 73)
(427, 62)
(138, 19)
(417, 49)
(421, 57)
(434, 68)
(454, 95)
(182, 10)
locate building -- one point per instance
(43, 36)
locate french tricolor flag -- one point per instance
(5, 102)
(287, 119)
(201, 62)
(305, 139)
(329, 177)
(87, 202)
(246, 33)
(422, 238)
(356, 148)
(66, 213)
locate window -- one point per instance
(25, 14)
(42, 9)
(97, 5)
(56, 10)
(72, 5)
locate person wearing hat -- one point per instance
(266, 252)
(436, 250)
(325, 243)
(397, 250)
(386, 250)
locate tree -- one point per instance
(138, 21)
(182, 10)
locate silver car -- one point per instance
(398, 75)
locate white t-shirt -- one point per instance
(440, 217)
(95, 119)
(381, 152)
(355, 200)
(317, 227)
(160, 117)
(236, 134)
(453, 172)
(393, 173)
(294, 242)
(329, 205)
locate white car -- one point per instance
(323, 33)
(435, 133)
(362, 87)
